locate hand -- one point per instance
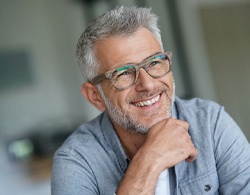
(169, 143)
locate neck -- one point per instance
(131, 142)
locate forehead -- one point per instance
(118, 50)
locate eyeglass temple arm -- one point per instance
(97, 79)
(169, 54)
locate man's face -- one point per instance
(147, 102)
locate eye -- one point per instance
(123, 72)
(154, 62)
(157, 60)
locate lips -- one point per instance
(148, 102)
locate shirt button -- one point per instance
(207, 187)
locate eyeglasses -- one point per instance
(125, 76)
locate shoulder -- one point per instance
(84, 137)
(74, 167)
(208, 122)
(198, 109)
(195, 104)
(87, 158)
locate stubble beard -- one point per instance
(129, 121)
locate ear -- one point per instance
(91, 93)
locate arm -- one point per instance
(232, 153)
(166, 144)
(71, 175)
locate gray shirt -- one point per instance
(92, 160)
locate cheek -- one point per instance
(169, 81)
(114, 96)
(119, 98)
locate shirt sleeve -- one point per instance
(71, 175)
(232, 153)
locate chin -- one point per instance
(142, 127)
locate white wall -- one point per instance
(227, 34)
(48, 31)
(217, 41)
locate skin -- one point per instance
(164, 141)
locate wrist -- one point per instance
(141, 176)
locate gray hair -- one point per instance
(121, 21)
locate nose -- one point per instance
(145, 82)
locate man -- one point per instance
(146, 141)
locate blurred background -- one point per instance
(40, 99)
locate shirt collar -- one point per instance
(114, 141)
(174, 110)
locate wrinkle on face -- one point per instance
(117, 51)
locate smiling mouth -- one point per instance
(148, 102)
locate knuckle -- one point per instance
(185, 125)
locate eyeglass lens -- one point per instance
(156, 67)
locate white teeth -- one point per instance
(148, 102)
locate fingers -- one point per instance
(192, 151)
(170, 139)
